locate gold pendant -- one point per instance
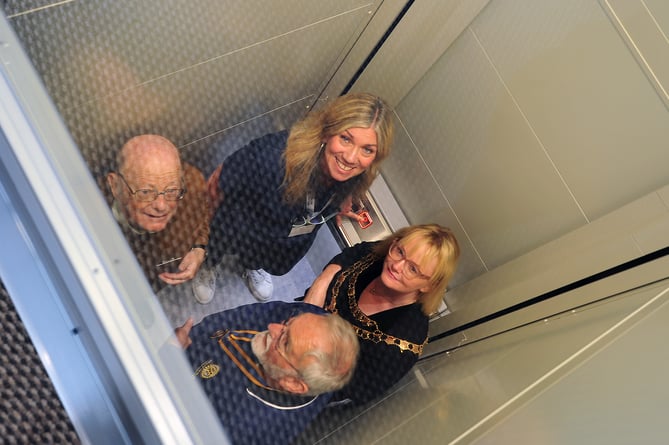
(208, 370)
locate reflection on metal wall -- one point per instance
(87, 310)
(208, 75)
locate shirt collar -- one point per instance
(120, 218)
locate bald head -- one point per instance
(149, 148)
(146, 162)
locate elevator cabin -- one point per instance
(536, 130)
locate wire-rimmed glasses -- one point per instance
(148, 195)
(409, 268)
(281, 342)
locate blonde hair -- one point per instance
(304, 146)
(442, 246)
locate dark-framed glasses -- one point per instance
(409, 268)
(148, 195)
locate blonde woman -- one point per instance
(387, 290)
(273, 195)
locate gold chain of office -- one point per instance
(372, 333)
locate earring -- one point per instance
(321, 147)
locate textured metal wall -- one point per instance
(31, 411)
(207, 74)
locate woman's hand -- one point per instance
(318, 290)
(347, 210)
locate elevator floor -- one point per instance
(179, 304)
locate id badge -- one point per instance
(301, 230)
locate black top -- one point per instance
(390, 341)
(254, 220)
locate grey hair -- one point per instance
(330, 370)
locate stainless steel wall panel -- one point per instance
(207, 99)
(643, 26)
(584, 96)
(536, 120)
(209, 151)
(417, 190)
(555, 381)
(421, 37)
(614, 394)
(484, 157)
(160, 38)
(187, 70)
(19, 7)
(659, 10)
(408, 173)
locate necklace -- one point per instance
(387, 294)
(366, 328)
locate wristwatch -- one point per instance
(200, 246)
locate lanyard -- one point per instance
(234, 337)
(311, 204)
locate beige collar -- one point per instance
(120, 218)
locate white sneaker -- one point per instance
(259, 283)
(204, 285)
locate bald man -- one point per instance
(162, 209)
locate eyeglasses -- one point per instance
(409, 268)
(148, 195)
(280, 344)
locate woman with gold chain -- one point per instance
(387, 290)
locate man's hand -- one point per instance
(188, 268)
(182, 333)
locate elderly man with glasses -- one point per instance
(162, 208)
(269, 369)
